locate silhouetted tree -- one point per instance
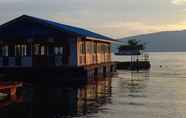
(132, 45)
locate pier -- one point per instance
(138, 59)
(141, 65)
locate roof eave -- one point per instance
(105, 40)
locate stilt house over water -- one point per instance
(33, 42)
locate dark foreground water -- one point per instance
(157, 93)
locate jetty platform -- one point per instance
(137, 65)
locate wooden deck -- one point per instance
(140, 65)
(62, 73)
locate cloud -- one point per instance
(179, 2)
(9, 1)
(131, 28)
(117, 18)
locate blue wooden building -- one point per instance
(27, 42)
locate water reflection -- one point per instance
(49, 101)
(133, 86)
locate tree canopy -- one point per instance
(132, 45)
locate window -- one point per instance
(24, 50)
(100, 48)
(17, 50)
(61, 50)
(90, 47)
(82, 48)
(42, 50)
(108, 48)
(87, 47)
(58, 50)
(5, 51)
(36, 49)
(95, 48)
(20, 50)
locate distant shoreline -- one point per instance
(164, 51)
(161, 51)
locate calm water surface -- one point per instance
(157, 93)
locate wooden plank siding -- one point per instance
(93, 52)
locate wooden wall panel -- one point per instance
(91, 56)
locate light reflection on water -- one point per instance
(157, 93)
(60, 100)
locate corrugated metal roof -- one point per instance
(68, 28)
(77, 30)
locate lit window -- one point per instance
(61, 50)
(56, 50)
(82, 48)
(20, 50)
(23, 50)
(42, 50)
(17, 50)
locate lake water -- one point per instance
(157, 93)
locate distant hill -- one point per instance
(161, 41)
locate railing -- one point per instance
(25, 61)
(29, 61)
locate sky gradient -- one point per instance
(115, 18)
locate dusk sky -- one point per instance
(116, 18)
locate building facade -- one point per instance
(33, 42)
